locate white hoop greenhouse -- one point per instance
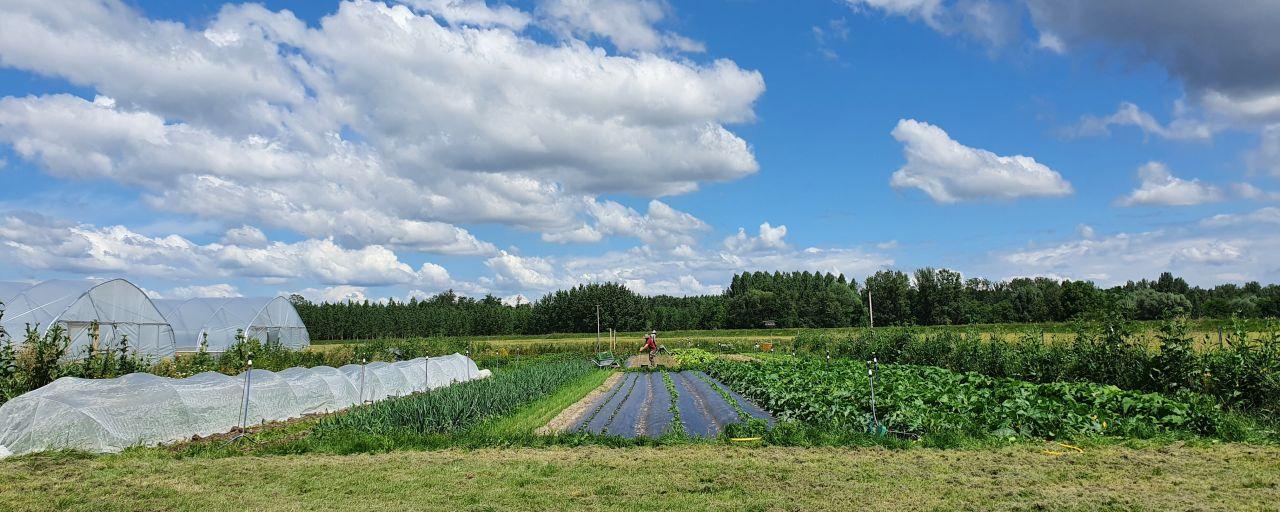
(117, 306)
(217, 320)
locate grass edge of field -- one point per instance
(695, 477)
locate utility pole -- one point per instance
(871, 307)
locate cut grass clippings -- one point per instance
(685, 477)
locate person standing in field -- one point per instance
(651, 346)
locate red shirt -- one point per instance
(649, 343)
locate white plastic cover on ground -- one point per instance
(119, 308)
(217, 320)
(108, 415)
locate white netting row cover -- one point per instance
(108, 415)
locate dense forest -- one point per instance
(792, 299)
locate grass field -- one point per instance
(690, 477)
(1204, 331)
(497, 462)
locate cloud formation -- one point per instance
(37, 242)
(382, 125)
(769, 238)
(1225, 56)
(628, 24)
(950, 172)
(1232, 52)
(1220, 248)
(1128, 114)
(991, 22)
(1159, 187)
(221, 290)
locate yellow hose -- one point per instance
(1056, 453)
(744, 439)
(1076, 448)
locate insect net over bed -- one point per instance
(108, 415)
(117, 306)
(217, 320)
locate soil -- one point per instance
(571, 415)
(642, 360)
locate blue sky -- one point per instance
(347, 150)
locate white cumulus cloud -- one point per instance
(1159, 187)
(379, 125)
(769, 238)
(1223, 247)
(221, 290)
(949, 172)
(628, 24)
(1128, 114)
(474, 12)
(42, 243)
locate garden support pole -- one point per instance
(244, 407)
(871, 310)
(362, 363)
(871, 381)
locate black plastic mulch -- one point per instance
(640, 405)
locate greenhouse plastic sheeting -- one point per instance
(218, 320)
(108, 415)
(119, 308)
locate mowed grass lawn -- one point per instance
(685, 477)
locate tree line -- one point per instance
(789, 300)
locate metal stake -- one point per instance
(426, 375)
(362, 363)
(872, 367)
(244, 411)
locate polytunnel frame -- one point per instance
(222, 306)
(100, 313)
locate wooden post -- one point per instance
(871, 309)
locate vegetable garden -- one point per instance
(931, 401)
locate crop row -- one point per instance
(929, 400)
(1242, 370)
(461, 405)
(677, 426)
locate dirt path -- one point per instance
(641, 426)
(641, 360)
(573, 414)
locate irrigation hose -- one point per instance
(744, 439)
(1073, 447)
(1057, 453)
